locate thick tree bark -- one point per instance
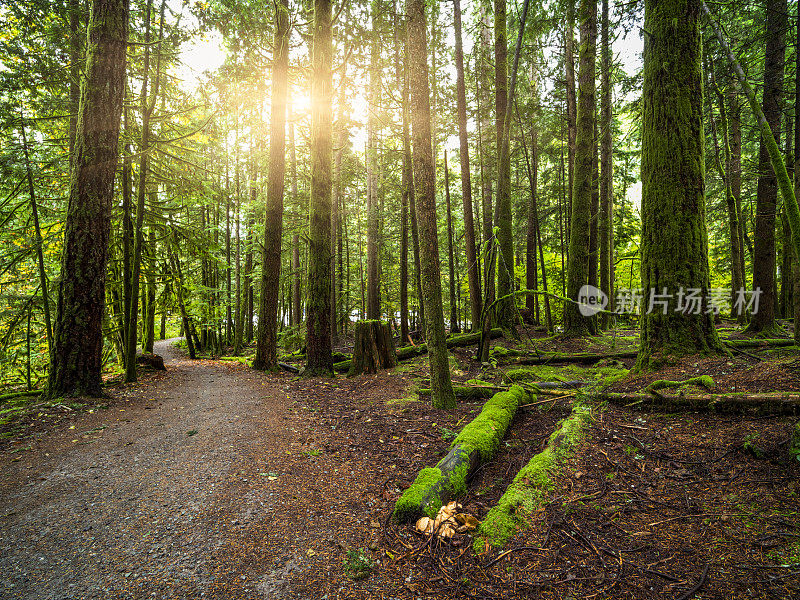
(466, 184)
(267, 341)
(76, 360)
(674, 238)
(767, 192)
(425, 188)
(575, 324)
(318, 339)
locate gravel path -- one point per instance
(136, 500)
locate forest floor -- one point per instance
(215, 481)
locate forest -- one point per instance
(400, 298)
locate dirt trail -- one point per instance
(128, 502)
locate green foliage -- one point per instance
(357, 564)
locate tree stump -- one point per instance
(154, 361)
(374, 348)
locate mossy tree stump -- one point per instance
(374, 348)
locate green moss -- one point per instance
(486, 431)
(533, 483)
(478, 382)
(503, 352)
(407, 506)
(482, 436)
(602, 375)
(705, 381)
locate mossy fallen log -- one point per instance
(742, 404)
(531, 486)
(24, 394)
(543, 358)
(477, 443)
(409, 352)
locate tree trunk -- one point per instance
(148, 103)
(454, 328)
(406, 183)
(425, 193)
(373, 282)
(737, 279)
(76, 360)
(150, 278)
(674, 238)
(572, 112)
(267, 341)
(505, 313)
(466, 184)
(318, 340)
(763, 321)
(576, 324)
(606, 217)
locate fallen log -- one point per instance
(477, 443)
(756, 404)
(23, 394)
(409, 352)
(543, 358)
(531, 486)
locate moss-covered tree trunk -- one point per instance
(763, 321)
(466, 185)
(318, 340)
(267, 336)
(674, 238)
(76, 359)
(576, 324)
(425, 193)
